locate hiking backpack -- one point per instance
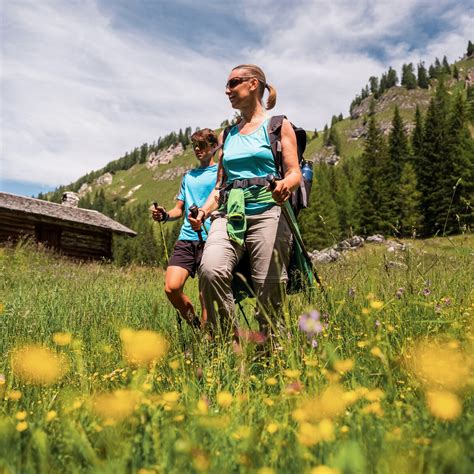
(299, 198)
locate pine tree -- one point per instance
(410, 216)
(470, 104)
(383, 86)
(432, 72)
(315, 134)
(325, 134)
(432, 164)
(417, 139)
(345, 198)
(398, 156)
(423, 80)
(456, 72)
(372, 197)
(470, 49)
(459, 168)
(334, 140)
(446, 68)
(408, 76)
(319, 223)
(392, 78)
(374, 84)
(340, 117)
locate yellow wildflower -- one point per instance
(224, 399)
(272, 428)
(115, 406)
(38, 365)
(51, 415)
(266, 470)
(324, 470)
(344, 429)
(170, 397)
(374, 395)
(22, 426)
(376, 351)
(292, 373)
(14, 395)
(62, 338)
(344, 366)
(444, 405)
(308, 434)
(202, 407)
(375, 304)
(271, 381)
(201, 462)
(374, 408)
(439, 365)
(329, 404)
(326, 430)
(365, 311)
(174, 364)
(143, 347)
(21, 415)
(243, 432)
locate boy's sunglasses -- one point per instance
(235, 81)
(201, 145)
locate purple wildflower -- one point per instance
(426, 292)
(310, 323)
(377, 323)
(447, 301)
(351, 292)
(314, 343)
(399, 293)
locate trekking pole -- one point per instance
(155, 205)
(178, 316)
(296, 233)
(194, 211)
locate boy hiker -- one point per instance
(196, 186)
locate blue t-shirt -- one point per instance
(196, 186)
(249, 156)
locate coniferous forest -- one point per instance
(414, 178)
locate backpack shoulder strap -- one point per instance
(274, 132)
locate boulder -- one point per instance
(84, 189)
(375, 239)
(105, 179)
(326, 256)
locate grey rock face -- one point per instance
(163, 157)
(70, 199)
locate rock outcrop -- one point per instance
(172, 173)
(163, 157)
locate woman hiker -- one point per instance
(184, 262)
(251, 220)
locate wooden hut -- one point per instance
(76, 232)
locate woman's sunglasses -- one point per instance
(235, 81)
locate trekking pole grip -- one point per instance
(194, 211)
(271, 181)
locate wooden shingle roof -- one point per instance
(52, 210)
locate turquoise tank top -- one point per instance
(249, 156)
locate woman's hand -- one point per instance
(197, 222)
(281, 192)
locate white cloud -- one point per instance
(77, 92)
(321, 54)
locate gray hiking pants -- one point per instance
(268, 242)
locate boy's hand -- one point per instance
(159, 214)
(196, 222)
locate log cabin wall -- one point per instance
(71, 239)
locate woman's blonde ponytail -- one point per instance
(272, 97)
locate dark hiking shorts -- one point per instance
(187, 254)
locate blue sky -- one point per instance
(84, 81)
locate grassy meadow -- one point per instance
(372, 375)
